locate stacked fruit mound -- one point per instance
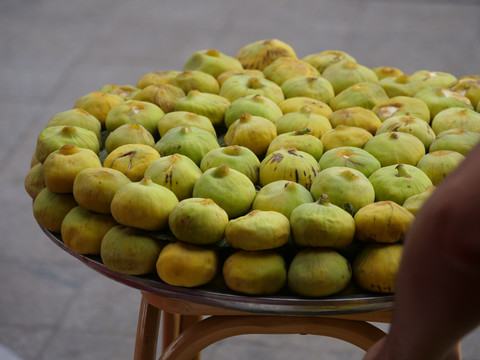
(258, 174)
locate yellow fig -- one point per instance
(259, 54)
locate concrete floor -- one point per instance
(54, 51)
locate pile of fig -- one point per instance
(261, 173)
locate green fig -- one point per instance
(324, 59)
(165, 96)
(468, 86)
(259, 54)
(344, 135)
(239, 86)
(434, 78)
(184, 118)
(301, 119)
(300, 140)
(284, 68)
(256, 105)
(458, 140)
(125, 91)
(456, 118)
(98, 104)
(228, 74)
(402, 85)
(79, 118)
(196, 80)
(350, 157)
(355, 116)
(364, 94)
(157, 78)
(438, 99)
(49, 208)
(415, 202)
(212, 62)
(296, 103)
(128, 134)
(346, 73)
(387, 71)
(402, 106)
(395, 147)
(34, 182)
(315, 87)
(210, 105)
(439, 164)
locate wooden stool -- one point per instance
(190, 327)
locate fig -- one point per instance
(253, 132)
(176, 172)
(398, 182)
(196, 80)
(228, 74)
(165, 96)
(255, 272)
(296, 103)
(94, 188)
(143, 205)
(239, 86)
(128, 134)
(212, 62)
(157, 78)
(355, 116)
(410, 125)
(184, 118)
(350, 157)
(402, 106)
(318, 272)
(289, 164)
(438, 99)
(131, 159)
(212, 106)
(53, 138)
(315, 87)
(344, 135)
(98, 104)
(345, 73)
(138, 112)
(439, 164)
(376, 267)
(237, 157)
(79, 118)
(322, 224)
(49, 208)
(434, 78)
(189, 141)
(364, 94)
(34, 182)
(258, 230)
(324, 59)
(402, 85)
(281, 196)
(228, 188)
(415, 202)
(259, 54)
(62, 166)
(284, 68)
(395, 147)
(469, 87)
(382, 222)
(458, 140)
(301, 119)
(300, 140)
(129, 251)
(82, 231)
(125, 91)
(187, 265)
(343, 185)
(456, 118)
(387, 71)
(198, 221)
(256, 105)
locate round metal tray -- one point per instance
(350, 302)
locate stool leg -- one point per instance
(147, 331)
(174, 325)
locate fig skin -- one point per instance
(281, 196)
(322, 224)
(198, 221)
(239, 86)
(187, 265)
(128, 134)
(350, 157)
(259, 54)
(212, 106)
(184, 118)
(398, 182)
(289, 164)
(255, 105)
(253, 132)
(49, 208)
(138, 112)
(143, 205)
(468, 86)
(314, 87)
(196, 80)
(402, 106)
(438, 99)
(157, 78)
(131, 159)
(347, 73)
(302, 119)
(324, 59)
(82, 231)
(458, 140)
(212, 62)
(94, 188)
(187, 140)
(129, 251)
(77, 117)
(456, 118)
(255, 272)
(356, 116)
(62, 166)
(344, 135)
(415, 202)
(228, 188)
(176, 172)
(285, 68)
(318, 272)
(382, 222)
(237, 157)
(98, 104)
(364, 94)
(165, 96)
(258, 230)
(343, 185)
(434, 78)
(300, 140)
(439, 164)
(228, 74)
(402, 85)
(375, 268)
(33, 182)
(294, 104)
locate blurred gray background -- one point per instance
(54, 51)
